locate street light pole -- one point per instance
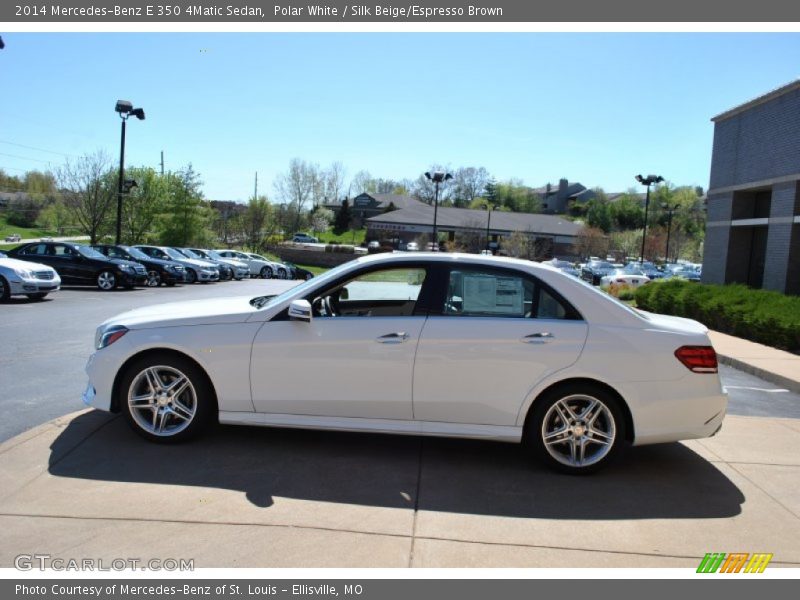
(489, 208)
(121, 179)
(436, 177)
(647, 181)
(125, 109)
(670, 210)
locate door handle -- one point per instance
(541, 337)
(397, 337)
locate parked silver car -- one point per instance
(196, 270)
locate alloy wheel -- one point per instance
(162, 400)
(106, 281)
(153, 279)
(578, 430)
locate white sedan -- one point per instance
(259, 265)
(23, 278)
(422, 344)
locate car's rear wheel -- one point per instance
(266, 273)
(191, 276)
(281, 273)
(576, 429)
(5, 290)
(153, 278)
(106, 281)
(166, 398)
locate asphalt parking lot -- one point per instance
(44, 347)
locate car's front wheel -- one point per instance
(191, 276)
(106, 281)
(266, 273)
(153, 278)
(576, 429)
(166, 398)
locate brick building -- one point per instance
(753, 226)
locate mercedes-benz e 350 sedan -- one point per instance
(422, 344)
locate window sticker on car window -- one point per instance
(490, 294)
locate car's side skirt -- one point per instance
(498, 433)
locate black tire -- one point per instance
(599, 431)
(266, 272)
(282, 274)
(37, 296)
(191, 276)
(5, 290)
(160, 411)
(309, 276)
(153, 278)
(106, 281)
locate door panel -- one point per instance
(500, 332)
(336, 366)
(481, 370)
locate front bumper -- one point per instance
(207, 275)
(20, 287)
(131, 279)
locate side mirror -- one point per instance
(300, 310)
(344, 294)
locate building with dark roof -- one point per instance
(407, 224)
(558, 200)
(753, 223)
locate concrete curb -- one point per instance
(789, 384)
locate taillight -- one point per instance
(699, 359)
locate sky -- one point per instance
(597, 108)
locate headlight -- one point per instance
(105, 336)
(25, 274)
(126, 268)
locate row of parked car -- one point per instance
(35, 269)
(602, 273)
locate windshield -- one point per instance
(199, 253)
(90, 252)
(266, 301)
(190, 253)
(136, 253)
(175, 254)
(259, 257)
(215, 255)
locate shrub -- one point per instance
(622, 291)
(761, 316)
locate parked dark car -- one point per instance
(77, 264)
(595, 270)
(296, 272)
(159, 271)
(646, 268)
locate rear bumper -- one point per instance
(697, 418)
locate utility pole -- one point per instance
(162, 163)
(255, 193)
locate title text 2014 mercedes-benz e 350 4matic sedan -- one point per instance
(422, 344)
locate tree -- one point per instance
(627, 212)
(517, 197)
(56, 217)
(598, 215)
(321, 220)
(297, 186)
(89, 187)
(591, 241)
(254, 222)
(143, 205)
(343, 218)
(188, 218)
(334, 181)
(468, 184)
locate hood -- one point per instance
(212, 311)
(24, 264)
(122, 261)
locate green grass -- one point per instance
(346, 238)
(25, 232)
